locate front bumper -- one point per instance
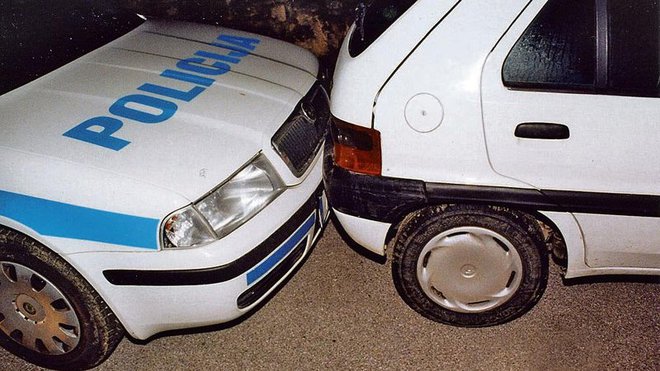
(152, 292)
(264, 265)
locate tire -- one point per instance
(49, 315)
(470, 266)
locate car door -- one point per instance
(571, 106)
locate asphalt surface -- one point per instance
(341, 311)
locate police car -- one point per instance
(473, 139)
(168, 178)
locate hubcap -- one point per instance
(34, 312)
(469, 269)
(29, 308)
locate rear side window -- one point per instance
(633, 53)
(372, 20)
(589, 46)
(557, 51)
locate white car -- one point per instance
(473, 138)
(169, 178)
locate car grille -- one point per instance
(300, 138)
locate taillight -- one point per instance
(356, 148)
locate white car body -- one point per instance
(91, 168)
(431, 85)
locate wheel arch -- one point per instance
(552, 234)
(52, 247)
(554, 238)
(31, 233)
(92, 324)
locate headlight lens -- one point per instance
(187, 228)
(242, 197)
(226, 208)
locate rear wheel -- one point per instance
(468, 265)
(49, 315)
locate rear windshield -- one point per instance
(372, 20)
(37, 37)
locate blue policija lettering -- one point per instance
(161, 104)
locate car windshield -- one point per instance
(36, 37)
(373, 19)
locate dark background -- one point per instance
(318, 25)
(46, 34)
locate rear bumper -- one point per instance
(376, 198)
(366, 205)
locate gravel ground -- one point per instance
(341, 311)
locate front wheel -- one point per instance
(49, 315)
(468, 265)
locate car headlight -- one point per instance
(226, 208)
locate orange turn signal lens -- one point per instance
(356, 148)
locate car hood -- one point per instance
(199, 123)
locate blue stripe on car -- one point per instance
(57, 219)
(265, 266)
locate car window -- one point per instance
(557, 51)
(589, 46)
(37, 37)
(373, 19)
(633, 53)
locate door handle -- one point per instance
(542, 130)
